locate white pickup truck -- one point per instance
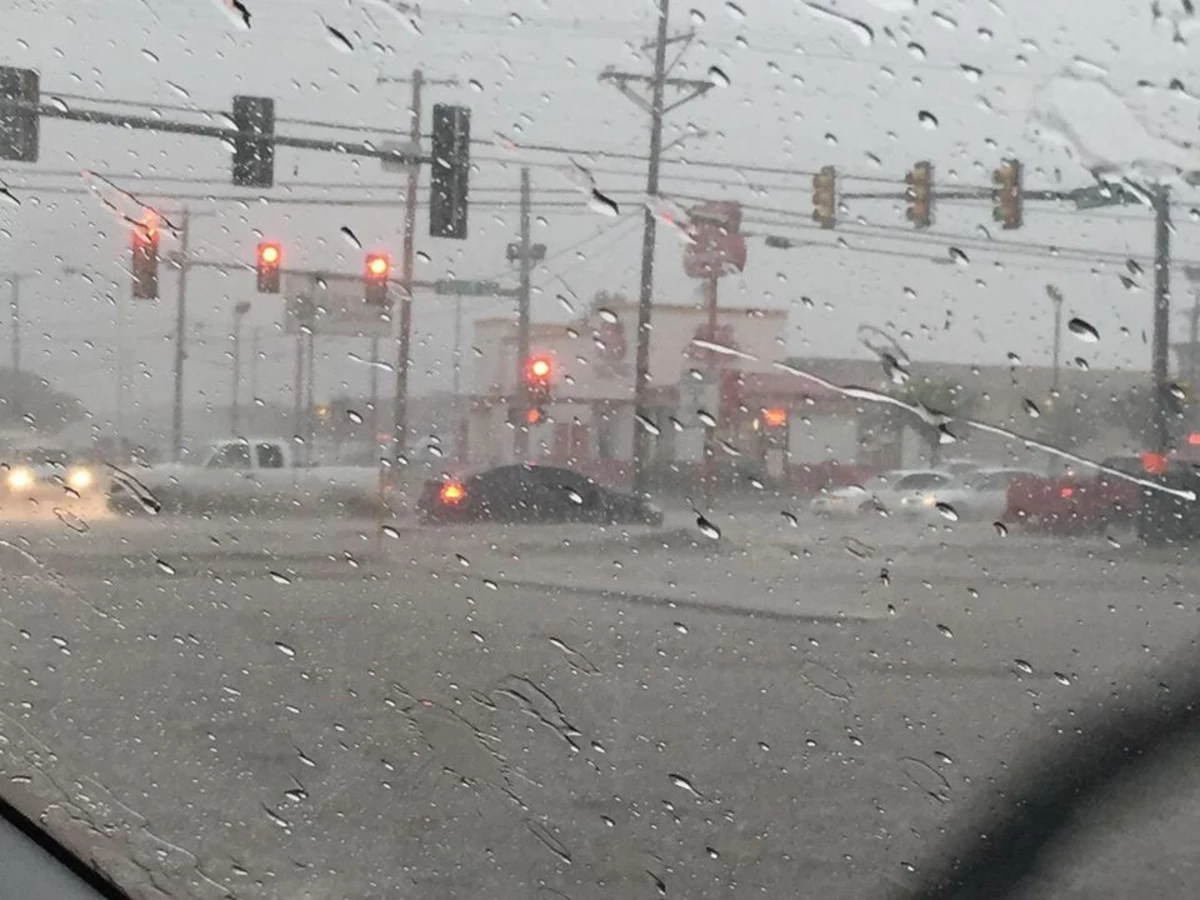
(246, 476)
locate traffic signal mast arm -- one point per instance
(229, 135)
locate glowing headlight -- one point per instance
(929, 500)
(20, 478)
(80, 479)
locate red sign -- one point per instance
(716, 247)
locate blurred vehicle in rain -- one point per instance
(48, 474)
(248, 475)
(904, 491)
(531, 494)
(1078, 502)
(979, 494)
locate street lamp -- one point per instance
(239, 313)
(1056, 297)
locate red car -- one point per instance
(1076, 503)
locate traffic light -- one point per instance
(539, 373)
(449, 171)
(254, 146)
(267, 262)
(375, 279)
(774, 417)
(19, 126)
(145, 260)
(825, 197)
(1007, 202)
(920, 194)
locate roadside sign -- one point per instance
(468, 288)
(332, 305)
(1100, 195)
(394, 165)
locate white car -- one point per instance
(982, 494)
(903, 491)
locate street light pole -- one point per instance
(1056, 298)
(1160, 359)
(239, 313)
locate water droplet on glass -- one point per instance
(607, 315)
(354, 416)
(1023, 666)
(276, 817)
(958, 256)
(391, 531)
(351, 238)
(462, 560)
(285, 649)
(1001, 529)
(681, 628)
(1083, 330)
(337, 40)
(648, 426)
(680, 782)
(1031, 408)
(790, 518)
(606, 206)
(927, 119)
(1062, 679)
(62, 644)
(707, 528)
(947, 511)
(574, 496)
(945, 630)
(475, 85)
(165, 566)
(279, 577)
(304, 758)
(706, 418)
(718, 77)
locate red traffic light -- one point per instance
(375, 281)
(270, 254)
(534, 416)
(775, 417)
(378, 265)
(539, 369)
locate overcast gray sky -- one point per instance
(1061, 85)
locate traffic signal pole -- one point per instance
(521, 392)
(180, 333)
(1160, 201)
(404, 342)
(404, 350)
(657, 108)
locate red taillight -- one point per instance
(1154, 463)
(452, 493)
(1067, 492)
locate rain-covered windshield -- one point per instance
(579, 450)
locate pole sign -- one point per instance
(332, 306)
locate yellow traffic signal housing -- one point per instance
(825, 197)
(919, 194)
(1007, 201)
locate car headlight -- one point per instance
(20, 478)
(929, 500)
(80, 479)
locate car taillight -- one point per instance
(1067, 492)
(452, 493)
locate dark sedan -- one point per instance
(531, 494)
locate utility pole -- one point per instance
(239, 313)
(657, 108)
(373, 392)
(521, 433)
(400, 410)
(1056, 297)
(253, 376)
(1160, 359)
(460, 425)
(180, 332)
(14, 285)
